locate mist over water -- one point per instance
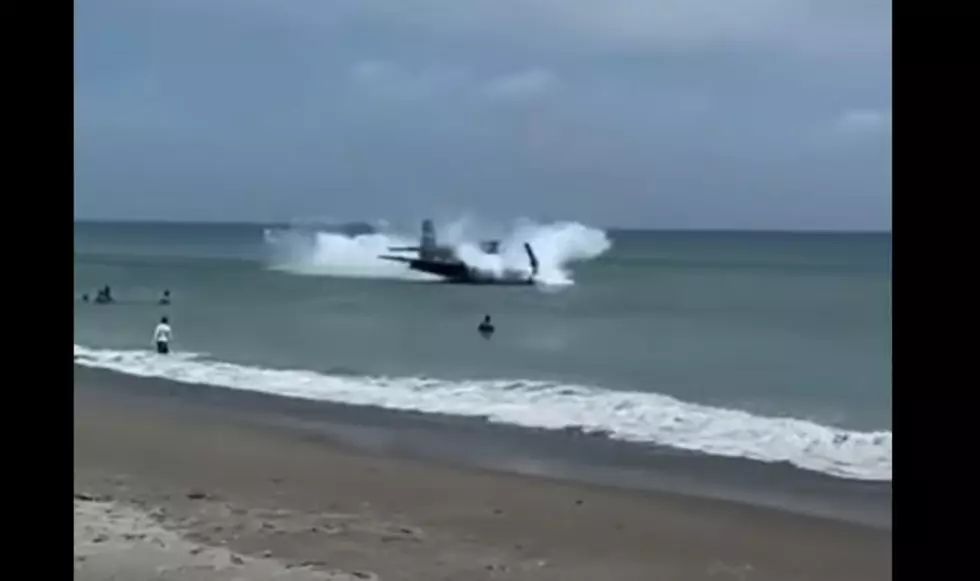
(557, 245)
(320, 253)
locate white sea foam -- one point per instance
(557, 246)
(630, 416)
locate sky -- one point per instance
(741, 114)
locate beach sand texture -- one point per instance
(183, 492)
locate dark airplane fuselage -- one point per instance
(445, 269)
(458, 273)
(443, 261)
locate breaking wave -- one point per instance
(623, 415)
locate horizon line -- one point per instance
(129, 221)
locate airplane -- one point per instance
(443, 261)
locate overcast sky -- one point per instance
(660, 113)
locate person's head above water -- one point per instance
(164, 320)
(486, 327)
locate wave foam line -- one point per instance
(622, 415)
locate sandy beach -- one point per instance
(166, 489)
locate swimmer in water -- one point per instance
(486, 328)
(165, 299)
(104, 296)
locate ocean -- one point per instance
(772, 347)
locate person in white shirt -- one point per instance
(162, 336)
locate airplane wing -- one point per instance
(404, 259)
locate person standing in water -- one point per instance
(104, 296)
(162, 335)
(165, 299)
(486, 328)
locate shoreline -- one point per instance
(284, 494)
(639, 418)
(561, 456)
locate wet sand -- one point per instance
(217, 493)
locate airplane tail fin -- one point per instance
(427, 241)
(532, 258)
